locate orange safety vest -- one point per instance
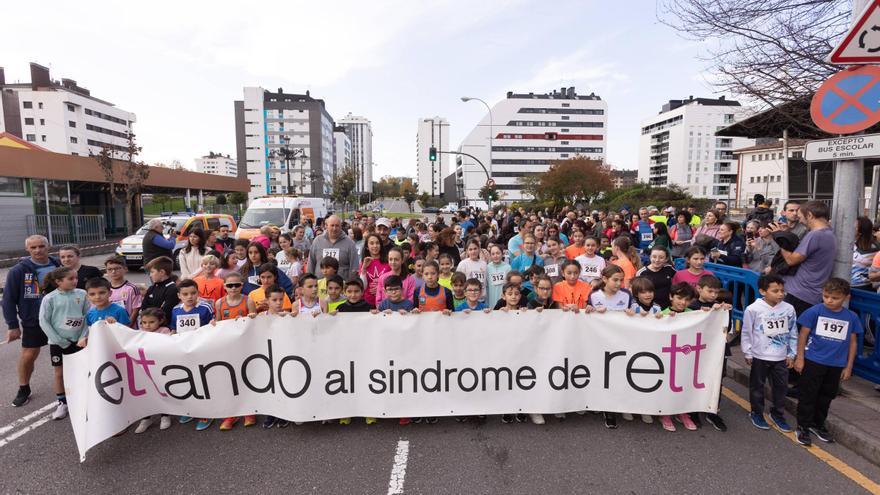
(432, 303)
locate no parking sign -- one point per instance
(848, 101)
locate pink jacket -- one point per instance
(409, 287)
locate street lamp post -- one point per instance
(491, 125)
(287, 154)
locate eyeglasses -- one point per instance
(114, 269)
(234, 285)
(473, 289)
(392, 289)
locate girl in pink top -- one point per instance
(694, 259)
(373, 265)
(395, 261)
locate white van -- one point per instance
(282, 211)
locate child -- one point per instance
(433, 297)
(162, 293)
(769, 344)
(626, 257)
(210, 286)
(289, 258)
(496, 272)
(708, 288)
(153, 320)
(98, 290)
(445, 263)
(329, 267)
(543, 293)
(240, 249)
(418, 266)
(553, 259)
(396, 261)
(577, 247)
(275, 306)
(233, 305)
(431, 251)
(680, 297)
(591, 263)
(528, 287)
(474, 267)
(354, 298)
(643, 291)
(334, 294)
(62, 317)
(528, 257)
(122, 292)
(825, 354)
(472, 291)
(458, 281)
(268, 276)
(512, 298)
(572, 294)
(191, 314)
(694, 259)
(308, 301)
(394, 299)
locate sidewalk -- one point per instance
(854, 418)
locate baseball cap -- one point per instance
(383, 221)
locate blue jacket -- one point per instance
(23, 294)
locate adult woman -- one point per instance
(863, 254)
(300, 241)
(446, 241)
(661, 238)
(681, 234)
(538, 233)
(660, 273)
(374, 263)
(760, 247)
(708, 230)
(190, 257)
(729, 247)
(459, 243)
(256, 256)
(357, 235)
(289, 259)
(553, 231)
(396, 261)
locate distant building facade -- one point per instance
(217, 164)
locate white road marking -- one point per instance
(398, 471)
(18, 422)
(23, 431)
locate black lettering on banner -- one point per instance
(415, 379)
(436, 387)
(270, 387)
(101, 386)
(658, 370)
(608, 357)
(336, 378)
(473, 375)
(203, 372)
(188, 379)
(449, 371)
(526, 373)
(497, 372)
(377, 377)
(306, 382)
(580, 376)
(559, 369)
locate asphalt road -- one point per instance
(577, 455)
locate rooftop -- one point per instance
(41, 80)
(709, 102)
(561, 94)
(775, 145)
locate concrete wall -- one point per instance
(13, 222)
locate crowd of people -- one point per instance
(502, 260)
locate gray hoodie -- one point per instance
(343, 250)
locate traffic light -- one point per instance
(432, 154)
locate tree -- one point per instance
(488, 193)
(387, 186)
(343, 184)
(409, 195)
(644, 194)
(238, 198)
(531, 185)
(122, 164)
(161, 200)
(424, 198)
(220, 199)
(572, 181)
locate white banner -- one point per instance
(388, 366)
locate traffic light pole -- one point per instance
(488, 176)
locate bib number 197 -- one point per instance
(832, 328)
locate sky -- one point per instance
(180, 65)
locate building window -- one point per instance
(753, 157)
(778, 178)
(28, 121)
(566, 105)
(751, 180)
(564, 117)
(27, 104)
(797, 154)
(31, 137)
(40, 105)
(71, 123)
(71, 108)
(43, 138)
(12, 186)
(73, 140)
(42, 121)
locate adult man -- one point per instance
(792, 220)
(814, 257)
(21, 309)
(155, 244)
(466, 223)
(334, 243)
(69, 257)
(721, 206)
(695, 219)
(762, 211)
(224, 242)
(641, 229)
(515, 244)
(383, 228)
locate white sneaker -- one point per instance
(538, 419)
(627, 416)
(143, 425)
(60, 411)
(647, 418)
(560, 415)
(165, 423)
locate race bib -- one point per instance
(590, 271)
(647, 236)
(832, 328)
(73, 323)
(551, 270)
(496, 279)
(331, 252)
(477, 275)
(187, 323)
(774, 326)
(254, 280)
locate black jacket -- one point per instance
(162, 295)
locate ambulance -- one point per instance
(284, 212)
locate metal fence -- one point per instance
(68, 229)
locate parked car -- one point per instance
(179, 225)
(450, 208)
(431, 209)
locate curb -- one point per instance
(845, 433)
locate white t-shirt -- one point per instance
(591, 268)
(621, 300)
(474, 269)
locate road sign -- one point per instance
(843, 148)
(490, 183)
(848, 101)
(861, 45)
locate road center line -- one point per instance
(826, 457)
(18, 422)
(23, 431)
(398, 470)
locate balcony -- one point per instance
(660, 170)
(724, 155)
(657, 181)
(723, 168)
(725, 179)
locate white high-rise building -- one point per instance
(268, 122)
(679, 146)
(341, 149)
(529, 131)
(360, 132)
(432, 131)
(61, 116)
(217, 164)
